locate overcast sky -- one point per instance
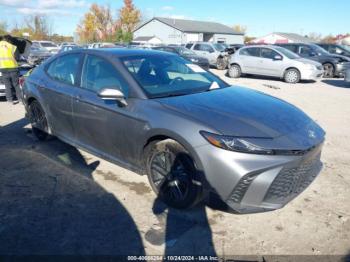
(259, 16)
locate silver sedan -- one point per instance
(186, 129)
(273, 61)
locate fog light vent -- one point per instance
(242, 187)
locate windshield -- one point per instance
(184, 51)
(319, 50)
(47, 44)
(287, 53)
(346, 47)
(163, 75)
(219, 47)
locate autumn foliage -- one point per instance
(99, 25)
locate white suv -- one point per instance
(273, 61)
(214, 52)
(48, 45)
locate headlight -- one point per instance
(194, 60)
(237, 144)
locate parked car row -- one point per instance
(292, 62)
(333, 64)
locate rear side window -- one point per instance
(99, 73)
(253, 51)
(305, 51)
(65, 69)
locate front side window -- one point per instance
(65, 69)
(305, 51)
(189, 46)
(268, 53)
(252, 51)
(99, 73)
(292, 48)
(164, 75)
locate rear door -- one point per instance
(58, 90)
(249, 59)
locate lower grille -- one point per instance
(241, 188)
(292, 181)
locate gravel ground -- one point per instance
(55, 199)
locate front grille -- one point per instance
(292, 181)
(241, 188)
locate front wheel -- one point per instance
(172, 173)
(38, 121)
(221, 63)
(292, 76)
(328, 70)
(234, 71)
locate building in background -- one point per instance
(180, 31)
(281, 38)
(144, 40)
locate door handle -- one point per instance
(78, 97)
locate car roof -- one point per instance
(259, 46)
(119, 52)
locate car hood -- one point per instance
(242, 112)
(308, 61)
(341, 58)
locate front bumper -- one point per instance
(251, 183)
(312, 74)
(340, 69)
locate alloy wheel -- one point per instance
(170, 175)
(328, 70)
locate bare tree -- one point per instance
(39, 26)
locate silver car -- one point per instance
(273, 61)
(186, 129)
(214, 52)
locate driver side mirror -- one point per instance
(312, 53)
(277, 58)
(113, 94)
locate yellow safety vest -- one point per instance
(7, 55)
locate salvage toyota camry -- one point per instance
(186, 129)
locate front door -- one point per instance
(268, 65)
(104, 126)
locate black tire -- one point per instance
(38, 121)
(328, 70)
(292, 76)
(171, 173)
(234, 71)
(221, 63)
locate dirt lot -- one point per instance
(55, 199)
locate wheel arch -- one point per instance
(160, 135)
